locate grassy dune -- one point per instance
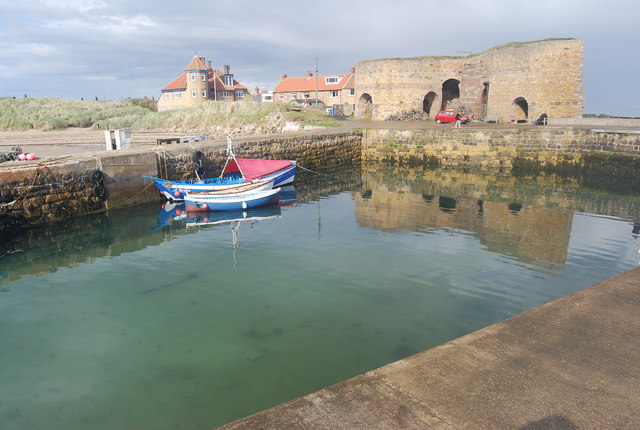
(57, 114)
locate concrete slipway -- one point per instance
(571, 364)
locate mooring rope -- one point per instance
(312, 171)
(27, 190)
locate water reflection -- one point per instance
(534, 235)
(361, 268)
(527, 217)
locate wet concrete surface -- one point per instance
(571, 364)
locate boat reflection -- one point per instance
(176, 213)
(173, 213)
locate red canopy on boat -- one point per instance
(252, 168)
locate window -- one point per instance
(228, 80)
(294, 96)
(225, 94)
(204, 94)
(239, 94)
(177, 95)
(334, 94)
(194, 93)
(193, 76)
(331, 80)
(307, 95)
(165, 96)
(281, 96)
(351, 91)
(203, 77)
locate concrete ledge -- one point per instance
(570, 364)
(596, 122)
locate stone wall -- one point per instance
(41, 192)
(53, 190)
(560, 150)
(517, 81)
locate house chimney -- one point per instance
(352, 71)
(283, 76)
(226, 69)
(209, 64)
(257, 90)
(309, 74)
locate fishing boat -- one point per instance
(258, 185)
(230, 201)
(236, 171)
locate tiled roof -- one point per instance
(219, 84)
(350, 82)
(179, 83)
(308, 84)
(196, 63)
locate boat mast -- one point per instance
(230, 155)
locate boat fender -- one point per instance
(97, 177)
(200, 171)
(244, 205)
(98, 191)
(198, 156)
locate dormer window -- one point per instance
(228, 80)
(331, 80)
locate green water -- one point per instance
(115, 322)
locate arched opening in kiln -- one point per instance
(365, 105)
(520, 110)
(450, 92)
(427, 102)
(484, 100)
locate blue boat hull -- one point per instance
(234, 202)
(176, 190)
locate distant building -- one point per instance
(338, 89)
(267, 97)
(199, 83)
(516, 82)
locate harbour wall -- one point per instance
(561, 150)
(503, 211)
(66, 187)
(55, 189)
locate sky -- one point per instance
(114, 49)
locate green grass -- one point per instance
(57, 114)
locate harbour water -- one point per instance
(152, 317)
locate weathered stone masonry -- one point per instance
(513, 82)
(48, 191)
(58, 189)
(562, 150)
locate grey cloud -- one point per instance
(120, 48)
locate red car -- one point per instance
(449, 116)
